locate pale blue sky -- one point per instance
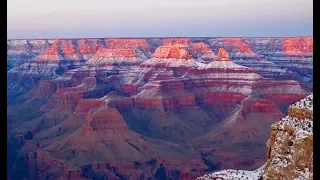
(161, 18)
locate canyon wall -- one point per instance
(143, 108)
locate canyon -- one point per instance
(290, 148)
(149, 108)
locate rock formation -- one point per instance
(290, 148)
(291, 54)
(141, 108)
(105, 57)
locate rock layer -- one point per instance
(138, 108)
(290, 147)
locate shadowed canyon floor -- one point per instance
(148, 108)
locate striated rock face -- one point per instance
(235, 46)
(160, 87)
(85, 105)
(168, 52)
(106, 131)
(199, 51)
(150, 108)
(69, 97)
(58, 51)
(105, 57)
(88, 47)
(175, 41)
(171, 57)
(298, 45)
(104, 118)
(292, 54)
(223, 55)
(46, 88)
(290, 147)
(259, 105)
(235, 135)
(202, 51)
(20, 51)
(138, 44)
(213, 84)
(119, 102)
(271, 57)
(52, 58)
(127, 43)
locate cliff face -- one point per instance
(150, 107)
(290, 148)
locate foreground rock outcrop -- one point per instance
(290, 148)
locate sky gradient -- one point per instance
(161, 18)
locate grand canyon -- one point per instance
(150, 108)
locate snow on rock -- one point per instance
(235, 46)
(291, 54)
(106, 56)
(203, 52)
(171, 56)
(290, 147)
(225, 65)
(232, 174)
(302, 121)
(223, 55)
(306, 103)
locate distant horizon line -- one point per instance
(160, 37)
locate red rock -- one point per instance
(223, 55)
(129, 89)
(281, 99)
(298, 44)
(167, 52)
(236, 47)
(176, 58)
(46, 88)
(68, 47)
(104, 118)
(201, 47)
(293, 53)
(88, 47)
(147, 103)
(89, 82)
(85, 105)
(203, 51)
(163, 91)
(119, 102)
(244, 126)
(129, 53)
(210, 98)
(242, 46)
(68, 98)
(106, 56)
(166, 102)
(128, 43)
(51, 54)
(259, 106)
(22, 50)
(175, 41)
(173, 92)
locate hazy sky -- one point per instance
(145, 18)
